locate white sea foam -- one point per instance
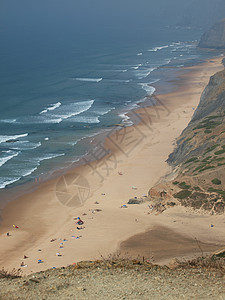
(51, 107)
(93, 117)
(24, 145)
(119, 80)
(118, 70)
(29, 172)
(148, 88)
(167, 61)
(126, 120)
(50, 156)
(75, 142)
(8, 121)
(158, 48)
(73, 109)
(5, 181)
(5, 138)
(144, 72)
(46, 121)
(89, 79)
(61, 113)
(7, 155)
(104, 112)
(87, 119)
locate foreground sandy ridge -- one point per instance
(41, 217)
(106, 281)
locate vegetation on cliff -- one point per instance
(199, 157)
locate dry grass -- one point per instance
(205, 262)
(116, 260)
(14, 273)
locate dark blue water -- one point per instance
(56, 91)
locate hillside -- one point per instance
(198, 160)
(214, 37)
(116, 280)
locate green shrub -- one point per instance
(191, 159)
(220, 152)
(187, 140)
(207, 158)
(206, 168)
(198, 168)
(182, 194)
(207, 131)
(216, 181)
(219, 158)
(212, 117)
(208, 124)
(184, 186)
(209, 149)
(221, 192)
(175, 182)
(212, 124)
(211, 189)
(196, 188)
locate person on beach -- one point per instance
(79, 222)
(79, 228)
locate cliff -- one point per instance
(214, 37)
(199, 157)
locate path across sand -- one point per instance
(136, 161)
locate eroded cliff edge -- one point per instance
(198, 160)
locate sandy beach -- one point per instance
(98, 192)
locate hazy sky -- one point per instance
(54, 18)
(106, 12)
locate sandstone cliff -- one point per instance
(214, 37)
(199, 157)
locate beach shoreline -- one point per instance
(127, 164)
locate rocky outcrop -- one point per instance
(214, 37)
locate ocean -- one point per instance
(56, 96)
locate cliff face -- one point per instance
(207, 125)
(199, 158)
(214, 37)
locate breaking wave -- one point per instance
(7, 138)
(51, 107)
(89, 79)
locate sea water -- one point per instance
(54, 98)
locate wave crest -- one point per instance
(51, 107)
(89, 79)
(158, 48)
(6, 138)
